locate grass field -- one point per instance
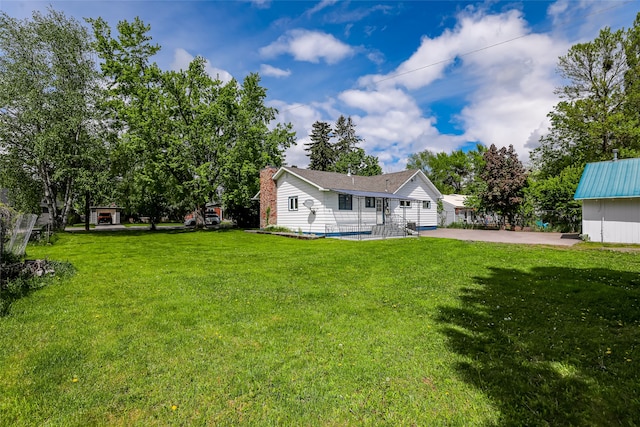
(229, 328)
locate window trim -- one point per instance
(345, 202)
(370, 202)
(293, 203)
(426, 204)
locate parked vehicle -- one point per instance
(211, 219)
(105, 218)
(190, 222)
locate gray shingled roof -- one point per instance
(387, 183)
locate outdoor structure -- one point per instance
(454, 210)
(108, 212)
(610, 194)
(334, 204)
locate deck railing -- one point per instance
(394, 226)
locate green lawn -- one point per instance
(228, 328)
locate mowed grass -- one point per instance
(232, 328)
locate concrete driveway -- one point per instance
(502, 236)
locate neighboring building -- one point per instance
(105, 215)
(610, 194)
(454, 210)
(335, 204)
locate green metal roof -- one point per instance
(608, 180)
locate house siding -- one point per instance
(612, 220)
(449, 215)
(328, 218)
(364, 216)
(290, 186)
(418, 189)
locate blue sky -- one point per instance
(413, 75)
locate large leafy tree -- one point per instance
(505, 178)
(596, 112)
(48, 120)
(450, 173)
(254, 143)
(184, 137)
(553, 198)
(200, 111)
(632, 86)
(138, 115)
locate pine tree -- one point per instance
(345, 133)
(321, 151)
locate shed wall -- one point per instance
(611, 220)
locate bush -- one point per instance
(20, 278)
(277, 229)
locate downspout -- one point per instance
(602, 223)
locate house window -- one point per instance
(426, 204)
(369, 202)
(405, 203)
(293, 203)
(344, 202)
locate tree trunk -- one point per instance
(1, 247)
(87, 210)
(68, 200)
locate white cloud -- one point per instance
(378, 102)
(260, 4)
(508, 78)
(501, 73)
(394, 126)
(309, 46)
(182, 59)
(302, 117)
(269, 70)
(321, 5)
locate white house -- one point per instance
(610, 194)
(335, 204)
(454, 210)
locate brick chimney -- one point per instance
(268, 197)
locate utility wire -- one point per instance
(471, 52)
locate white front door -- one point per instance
(379, 211)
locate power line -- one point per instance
(471, 52)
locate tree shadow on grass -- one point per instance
(552, 346)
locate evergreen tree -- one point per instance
(321, 152)
(345, 133)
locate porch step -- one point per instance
(387, 231)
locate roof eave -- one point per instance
(606, 197)
(427, 180)
(283, 169)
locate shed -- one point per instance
(111, 213)
(610, 194)
(454, 210)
